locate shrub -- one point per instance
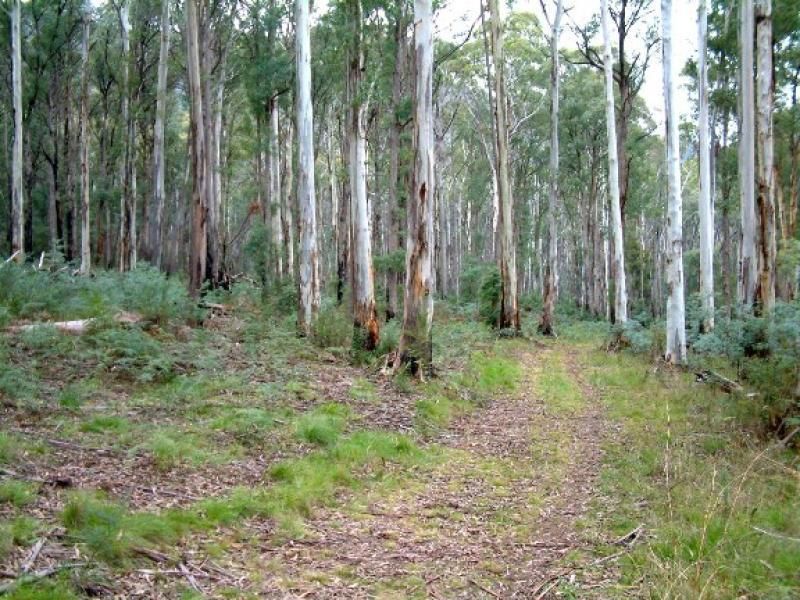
(489, 300)
(334, 327)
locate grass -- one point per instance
(17, 493)
(113, 534)
(557, 386)
(323, 425)
(171, 448)
(719, 506)
(363, 390)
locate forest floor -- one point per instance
(265, 467)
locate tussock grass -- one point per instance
(323, 425)
(721, 509)
(17, 493)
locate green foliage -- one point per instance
(42, 590)
(26, 293)
(392, 262)
(170, 449)
(17, 493)
(489, 298)
(334, 327)
(322, 426)
(362, 389)
(10, 447)
(131, 352)
(104, 423)
(490, 374)
(74, 395)
(248, 425)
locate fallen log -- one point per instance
(728, 386)
(78, 326)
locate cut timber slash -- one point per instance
(78, 327)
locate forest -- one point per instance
(400, 299)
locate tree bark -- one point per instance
(156, 221)
(86, 258)
(618, 259)
(676, 317)
(546, 323)
(287, 217)
(415, 349)
(127, 219)
(748, 259)
(705, 201)
(306, 195)
(509, 311)
(365, 319)
(197, 260)
(767, 241)
(17, 197)
(274, 169)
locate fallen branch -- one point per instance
(190, 578)
(27, 565)
(776, 535)
(484, 589)
(10, 258)
(728, 386)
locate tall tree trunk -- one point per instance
(17, 200)
(156, 221)
(197, 259)
(306, 195)
(748, 259)
(705, 201)
(287, 217)
(415, 349)
(767, 242)
(365, 318)
(509, 311)
(127, 239)
(676, 317)
(274, 169)
(618, 260)
(546, 323)
(86, 258)
(394, 194)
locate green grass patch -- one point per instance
(59, 589)
(170, 449)
(323, 425)
(106, 423)
(19, 531)
(17, 493)
(363, 390)
(719, 507)
(557, 387)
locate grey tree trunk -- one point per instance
(17, 198)
(415, 348)
(705, 201)
(618, 260)
(748, 259)
(767, 240)
(676, 317)
(274, 197)
(287, 218)
(197, 259)
(509, 308)
(546, 323)
(86, 258)
(306, 195)
(156, 221)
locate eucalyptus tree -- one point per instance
(415, 349)
(366, 330)
(551, 272)
(748, 258)
(676, 313)
(507, 261)
(705, 201)
(127, 244)
(765, 160)
(17, 198)
(86, 257)
(618, 259)
(306, 193)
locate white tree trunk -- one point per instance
(415, 343)
(157, 215)
(767, 241)
(274, 167)
(17, 198)
(365, 318)
(509, 311)
(306, 196)
(618, 260)
(676, 317)
(546, 324)
(706, 200)
(287, 218)
(86, 258)
(748, 261)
